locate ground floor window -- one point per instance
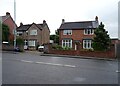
(67, 43)
(31, 43)
(87, 44)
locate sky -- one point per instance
(53, 11)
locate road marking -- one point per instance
(117, 71)
(63, 65)
(70, 65)
(56, 64)
(27, 61)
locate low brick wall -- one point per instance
(101, 54)
(7, 47)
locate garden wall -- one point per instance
(101, 54)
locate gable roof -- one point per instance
(23, 28)
(26, 27)
(79, 25)
(6, 17)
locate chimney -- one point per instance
(96, 18)
(21, 24)
(7, 14)
(44, 22)
(63, 21)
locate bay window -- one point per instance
(67, 43)
(87, 44)
(31, 43)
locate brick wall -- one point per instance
(76, 35)
(96, 54)
(7, 47)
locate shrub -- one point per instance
(59, 47)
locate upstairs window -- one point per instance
(67, 32)
(19, 33)
(88, 31)
(33, 32)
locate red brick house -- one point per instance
(34, 34)
(77, 34)
(8, 20)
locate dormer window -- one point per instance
(88, 31)
(67, 32)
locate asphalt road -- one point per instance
(29, 68)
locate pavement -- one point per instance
(68, 56)
(83, 57)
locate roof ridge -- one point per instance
(79, 22)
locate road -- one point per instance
(29, 68)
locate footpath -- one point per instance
(55, 55)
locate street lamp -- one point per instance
(14, 24)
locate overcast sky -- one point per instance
(53, 11)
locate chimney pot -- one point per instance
(7, 13)
(44, 21)
(96, 18)
(21, 24)
(63, 21)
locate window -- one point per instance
(67, 32)
(32, 43)
(19, 33)
(33, 32)
(88, 31)
(67, 43)
(87, 44)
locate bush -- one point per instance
(67, 48)
(59, 47)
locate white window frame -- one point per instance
(31, 43)
(67, 32)
(33, 32)
(87, 42)
(67, 43)
(88, 31)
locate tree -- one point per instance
(101, 40)
(55, 37)
(19, 41)
(5, 33)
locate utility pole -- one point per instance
(15, 24)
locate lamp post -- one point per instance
(14, 24)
